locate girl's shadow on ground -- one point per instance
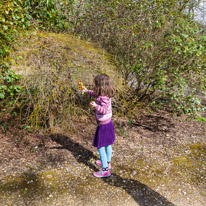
(141, 193)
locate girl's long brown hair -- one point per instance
(103, 85)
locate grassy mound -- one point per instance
(51, 65)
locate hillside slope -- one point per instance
(51, 65)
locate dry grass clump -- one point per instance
(51, 65)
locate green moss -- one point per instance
(53, 182)
(187, 167)
(82, 58)
(184, 161)
(198, 150)
(25, 184)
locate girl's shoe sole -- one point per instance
(102, 176)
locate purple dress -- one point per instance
(104, 135)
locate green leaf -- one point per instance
(2, 96)
(5, 27)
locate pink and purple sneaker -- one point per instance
(98, 162)
(102, 173)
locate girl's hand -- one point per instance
(92, 104)
(85, 89)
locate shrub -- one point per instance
(156, 44)
(51, 65)
(16, 16)
(49, 15)
(7, 78)
(13, 18)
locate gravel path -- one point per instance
(162, 167)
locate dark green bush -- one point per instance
(7, 86)
(13, 19)
(17, 16)
(157, 44)
(49, 15)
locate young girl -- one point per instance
(104, 136)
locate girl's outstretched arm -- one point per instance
(91, 93)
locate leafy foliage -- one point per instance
(157, 44)
(18, 15)
(49, 15)
(8, 77)
(13, 18)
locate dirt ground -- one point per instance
(157, 160)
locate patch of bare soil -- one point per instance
(157, 160)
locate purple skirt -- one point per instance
(104, 135)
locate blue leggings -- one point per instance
(105, 155)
